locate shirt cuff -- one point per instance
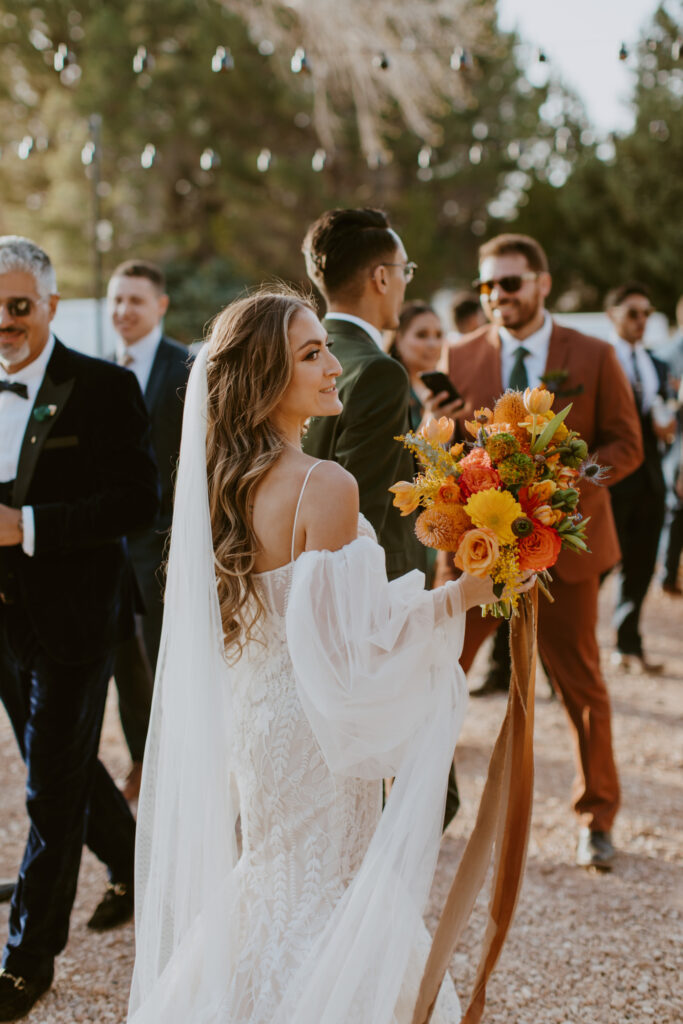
(29, 542)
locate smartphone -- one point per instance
(438, 382)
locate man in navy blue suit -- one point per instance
(76, 476)
(138, 302)
(638, 501)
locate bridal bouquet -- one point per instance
(506, 503)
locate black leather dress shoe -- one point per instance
(595, 849)
(6, 891)
(115, 908)
(18, 994)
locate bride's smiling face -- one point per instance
(312, 390)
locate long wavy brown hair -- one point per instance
(248, 370)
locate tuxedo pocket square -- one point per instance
(68, 441)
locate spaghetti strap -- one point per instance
(298, 504)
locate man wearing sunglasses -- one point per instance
(520, 345)
(76, 475)
(639, 500)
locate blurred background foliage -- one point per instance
(216, 174)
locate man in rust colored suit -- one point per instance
(520, 345)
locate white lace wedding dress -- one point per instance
(319, 918)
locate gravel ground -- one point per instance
(585, 948)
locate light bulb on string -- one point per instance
(88, 153)
(318, 160)
(209, 159)
(381, 61)
(424, 157)
(62, 57)
(25, 147)
(266, 48)
(676, 49)
(459, 60)
(299, 61)
(263, 160)
(623, 52)
(542, 57)
(148, 156)
(222, 60)
(141, 60)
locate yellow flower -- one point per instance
(406, 497)
(538, 400)
(495, 510)
(438, 431)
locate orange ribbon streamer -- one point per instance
(503, 822)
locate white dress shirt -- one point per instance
(139, 356)
(537, 344)
(15, 414)
(370, 329)
(646, 369)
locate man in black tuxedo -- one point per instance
(638, 501)
(137, 302)
(76, 475)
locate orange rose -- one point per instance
(547, 515)
(543, 490)
(449, 491)
(478, 473)
(478, 552)
(540, 549)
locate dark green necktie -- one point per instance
(518, 378)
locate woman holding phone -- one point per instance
(417, 345)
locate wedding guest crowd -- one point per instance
(77, 475)
(88, 451)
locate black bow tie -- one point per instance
(17, 389)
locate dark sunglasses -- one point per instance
(634, 314)
(509, 284)
(18, 307)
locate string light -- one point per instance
(141, 60)
(318, 160)
(148, 156)
(263, 160)
(623, 52)
(25, 147)
(424, 157)
(299, 61)
(88, 153)
(381, 61)
(62, 57)
(542, 57)
(676, 48)
(459, 59)
(209, 159)
(222, 60)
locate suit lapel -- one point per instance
(51, 396)
(157, 376)
(558, 351)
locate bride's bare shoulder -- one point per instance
(330, 508)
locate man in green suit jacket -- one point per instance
(361, 269)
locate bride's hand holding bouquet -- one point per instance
(505, 503)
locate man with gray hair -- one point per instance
(76, 476)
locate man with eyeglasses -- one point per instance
(360, 266)
(520, 346)
(76, 475)
(639, 499)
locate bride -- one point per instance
(292, 678)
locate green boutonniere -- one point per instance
(44, 412)
(554, 379)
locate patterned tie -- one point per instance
(637, 380)
(518, 377)
(126, 359)
(17, 389)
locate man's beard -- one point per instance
(522, 314)
(10, 355)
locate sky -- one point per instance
(581, 39)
